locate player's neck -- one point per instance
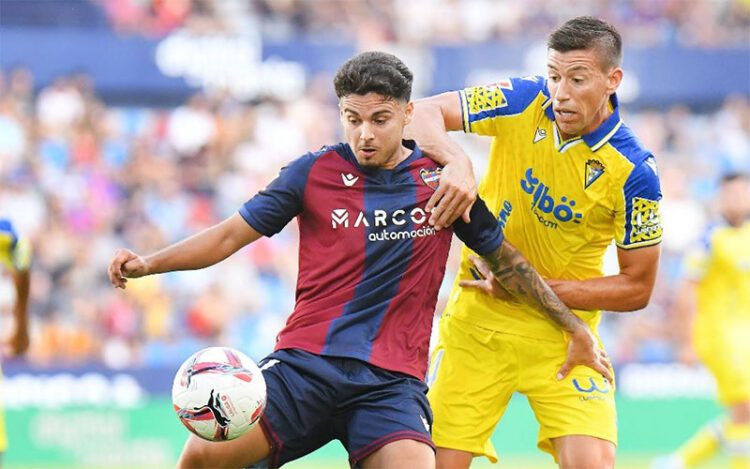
(598, 120)
(401, 154)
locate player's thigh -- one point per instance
(402, 453)
(727, 357)
(299, 416)
(244, 451)
(584, 452)
(384, 408)
(472, 375)
(583, 403)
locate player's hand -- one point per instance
(18, 342)
(488, 284)
(126, 264)
(584, 350)
(454, 196)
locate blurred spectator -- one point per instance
(82, 178)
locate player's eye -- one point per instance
(353, 121)
(554, 78)
(578, 81)
(380, 121)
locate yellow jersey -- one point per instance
(560, 202)
(721, 266)
(15, 252)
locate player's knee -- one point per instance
(452, 459)
(598, 457)
(195, 456)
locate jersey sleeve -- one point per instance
(483, 235)
(271, 209)
(637, 216)
(485, 109)
(21, 255)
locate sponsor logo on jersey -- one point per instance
(594, 169)
(644, 220)
(539, 135)
(349, 179)
(504, 214)
(431, 177)
(549, 210)
(342, 218)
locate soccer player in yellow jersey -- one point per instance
(15, 256)
(566, 177)
(716, 296)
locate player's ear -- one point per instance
(614, 78)
(409, 112)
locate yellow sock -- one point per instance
(702, 445)
(737, 440)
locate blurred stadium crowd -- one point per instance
(82, 178)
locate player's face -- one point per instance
(374, 126)
(734, 200)
(580, 88)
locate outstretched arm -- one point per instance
(519, 278)
(204, 249)
(433, 117)
(18, 342)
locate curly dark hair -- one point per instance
(374, 72)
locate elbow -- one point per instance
(639, 300)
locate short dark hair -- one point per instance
(733, 176)
(587, 32)
(374, 72)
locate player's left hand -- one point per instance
(454, 196)
(584, 350)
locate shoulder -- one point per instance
(506, 97)
(642, 173)
(7, 230)
(327, 151)
(627, 144)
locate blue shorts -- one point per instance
(314, 399)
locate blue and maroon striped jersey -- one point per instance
(370, 266)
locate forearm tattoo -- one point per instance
(518, 277)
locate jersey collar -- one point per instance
(601, 135)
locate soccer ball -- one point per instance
(219, 393)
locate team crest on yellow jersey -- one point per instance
(594, 169)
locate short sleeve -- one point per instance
(269, 211)
(485, 109)
(637, 215)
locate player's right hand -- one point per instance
(126, 264)
(583, 349)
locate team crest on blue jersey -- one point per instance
(431, 177)
(594, 169)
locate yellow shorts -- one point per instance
(474, 371)
(726, 354)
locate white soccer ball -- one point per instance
(219, 393)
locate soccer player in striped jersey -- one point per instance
(350, 362)
(15, 257)
(566, 177)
